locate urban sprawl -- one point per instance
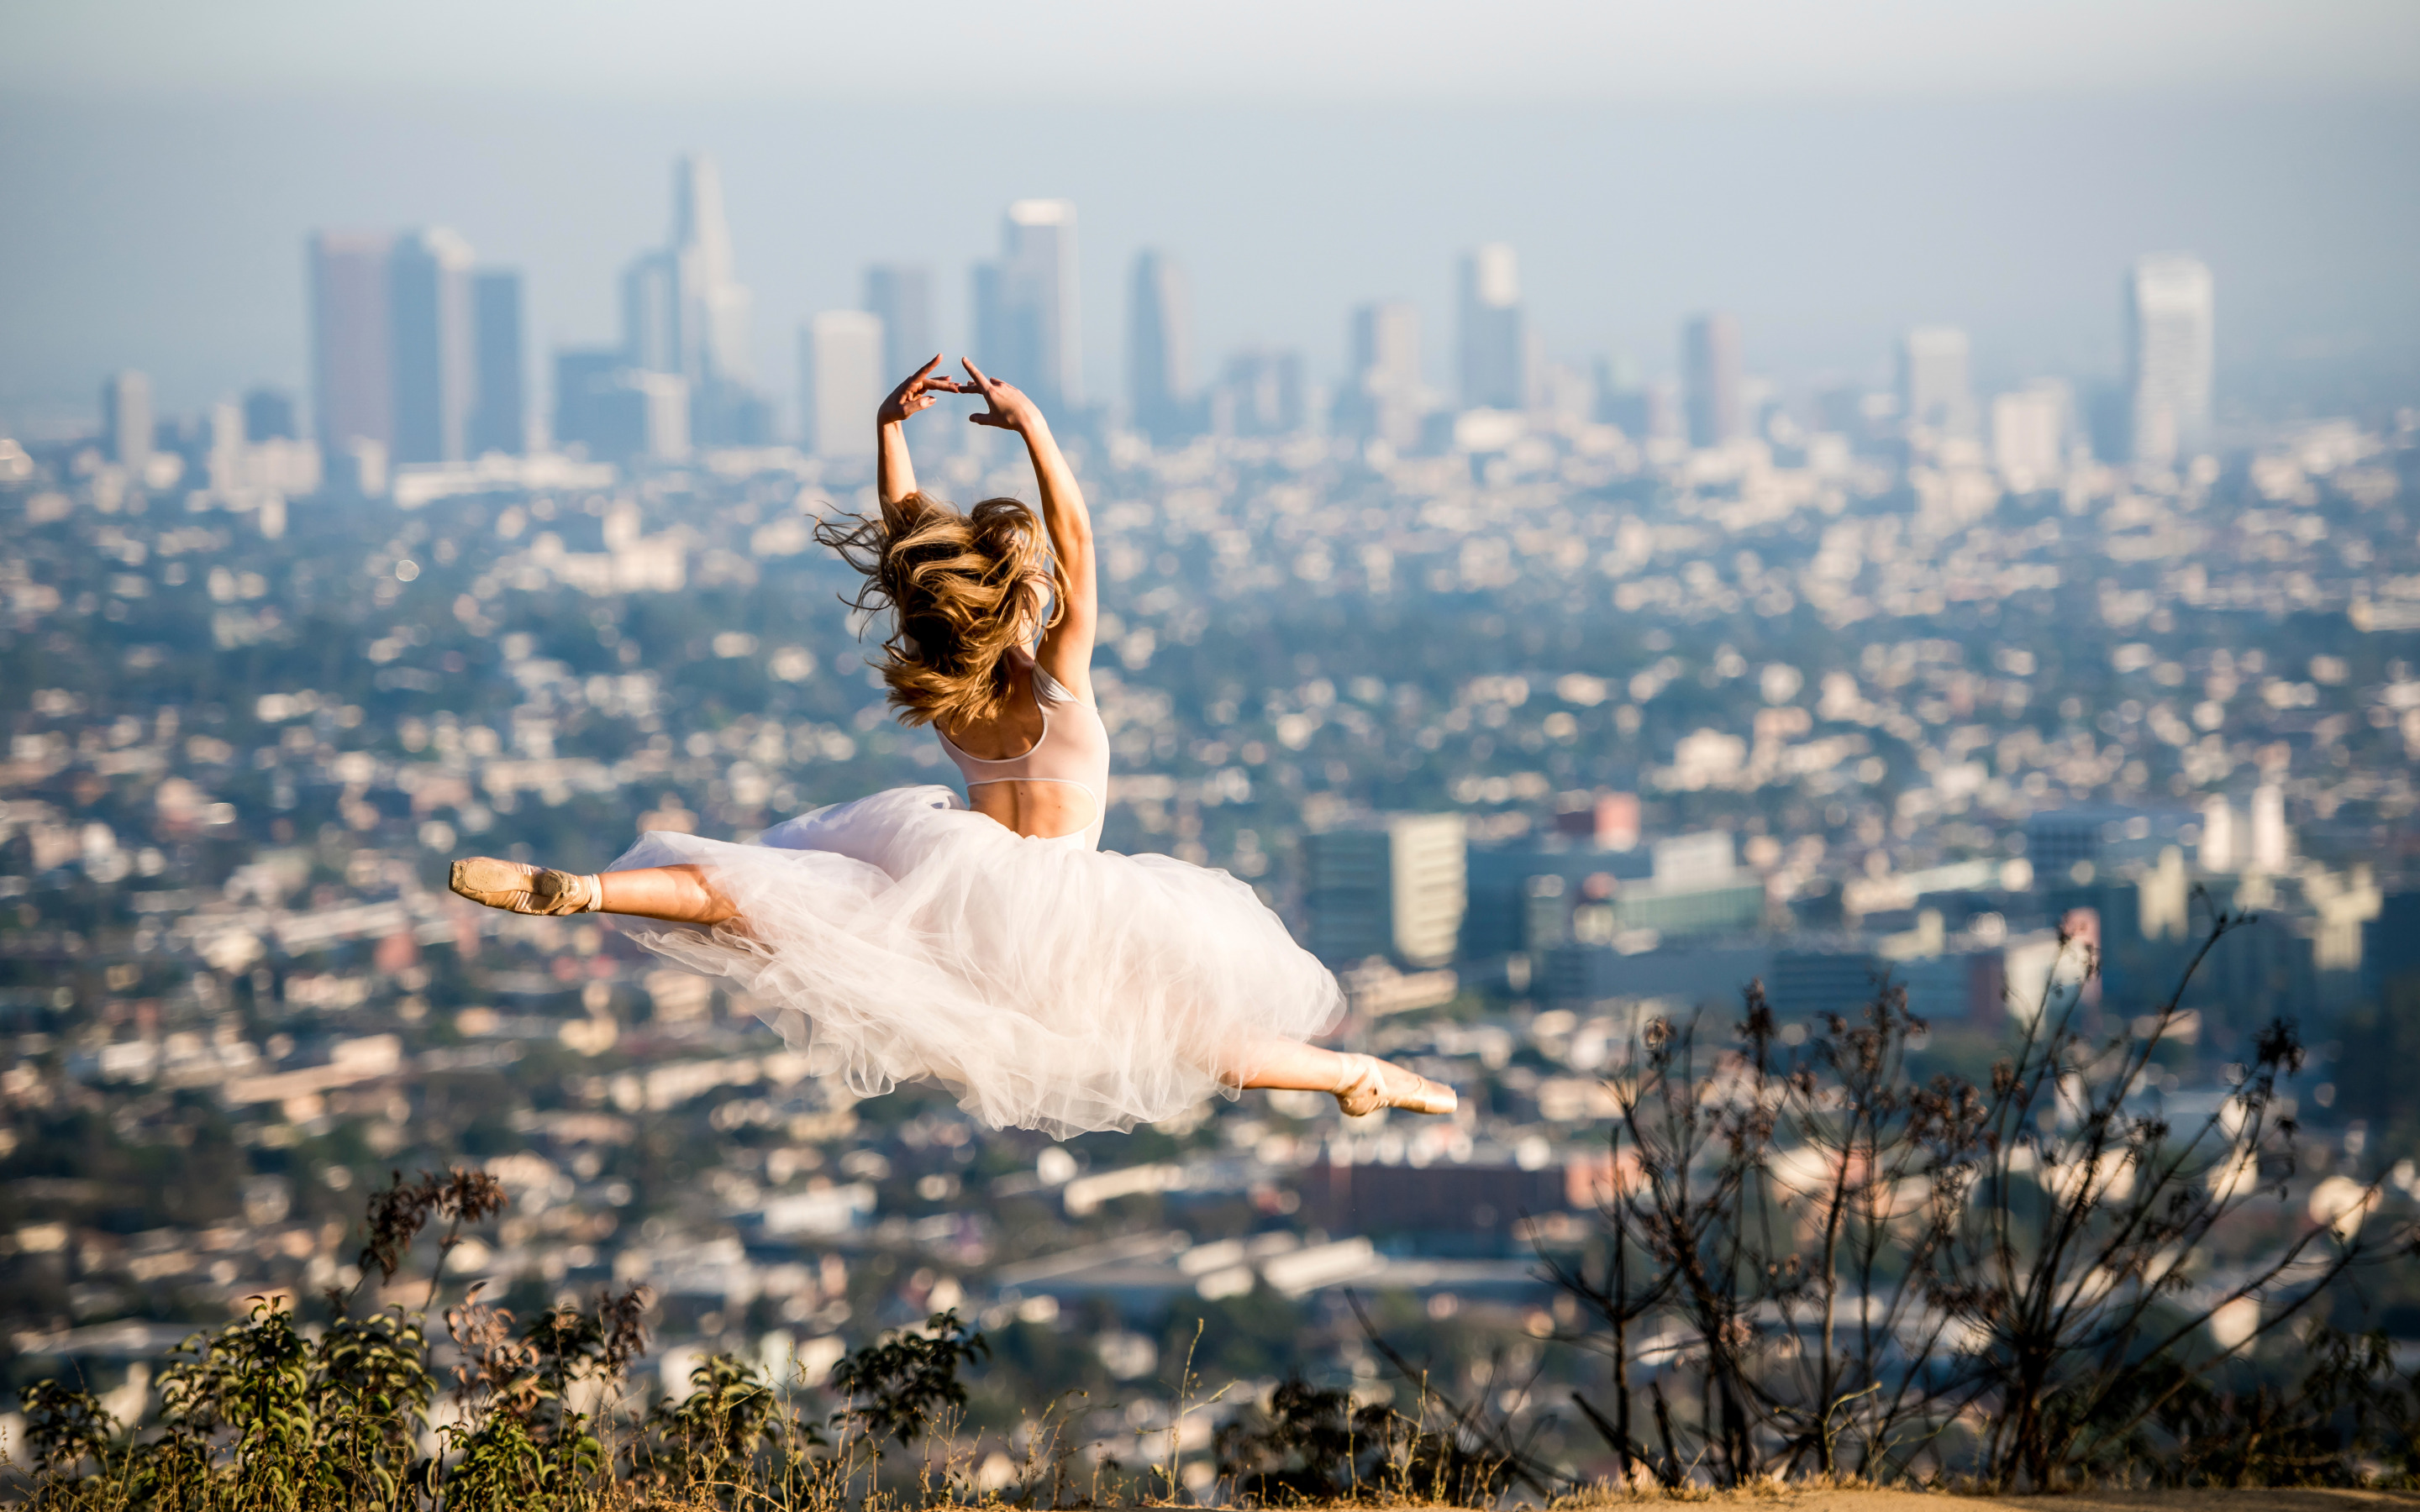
(1540, 709)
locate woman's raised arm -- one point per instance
(894, 471)
(1066, 650)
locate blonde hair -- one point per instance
(962, 588)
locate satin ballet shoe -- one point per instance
(519, 887)
(1371, 1083)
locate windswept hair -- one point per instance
(963, 590)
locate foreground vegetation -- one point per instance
(1812, 1267)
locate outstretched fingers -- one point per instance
(993, 391)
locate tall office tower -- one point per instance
(1397, 888)
(714, 307)
(582, 378)
(1493, 333)
(1933, 387)
(2029, 435)
(1025, 304)
(2170, 348)
(2272, 843)
(900, 295)
(651, 314)
(615, 412)
(126, 420)
(428, 309)
(1159, 349)
(841, 381)
(269, 415)
(1383, 398)
(1259, 394)
(1711, 356)
(684, 313)
(2218, 851)
(353, 369)
(498, 413)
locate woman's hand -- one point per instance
(1010, 408)
(915, 393)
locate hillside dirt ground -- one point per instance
(2266, 1499)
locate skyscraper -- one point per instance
(1383, 397)
(900, 295)
(2029, 434)
(1259, 394)
(1397, 888)
(1711, 359)
(714, 307)
(497, 415)
(1494, 334)
(126, 420)
(615, 412)
(685, 312)
(352, 364)
(430, 347)
(1934, 390)
(841, 381)
(651, 314)
(269, 415)
(2170, 349)
(1159, 349)
(1025, 304)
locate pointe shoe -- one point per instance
(1371, 1083)
(519, 887)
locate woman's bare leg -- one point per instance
(1292, 1065)
(680, 894)
(683, 894)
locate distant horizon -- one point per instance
(167, 234)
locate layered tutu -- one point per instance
(905, 938)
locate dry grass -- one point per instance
(1861, 1499)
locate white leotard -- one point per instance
(1074, 749)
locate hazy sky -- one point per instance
(1831, 171)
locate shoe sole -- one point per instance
(484, 878)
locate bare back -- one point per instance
(1041, 766)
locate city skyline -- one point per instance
(419, 358)
(2038, 305)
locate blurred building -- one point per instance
(412, 352)
(1436, 1210)
(1715, 376)
(2170, 350)
(269, 415)
(429, 340)
(1934, 387)
(840, 383)
(685, 312)
(351, 369)
(500, 407)
(1026, 305)
(900, 295)
(614, 412)
(126, 420)
(1393, 888)
(1384, 398)
(2029, 435)
(1493, 333)
(1259, 394)
(1159, 349)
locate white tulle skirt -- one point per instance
(903, 937)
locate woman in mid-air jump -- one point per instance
(985, 944)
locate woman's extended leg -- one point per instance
(1360, 1083)
(683, 894)
(678, 894)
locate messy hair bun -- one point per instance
(962, 588)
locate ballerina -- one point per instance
(985, 943)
